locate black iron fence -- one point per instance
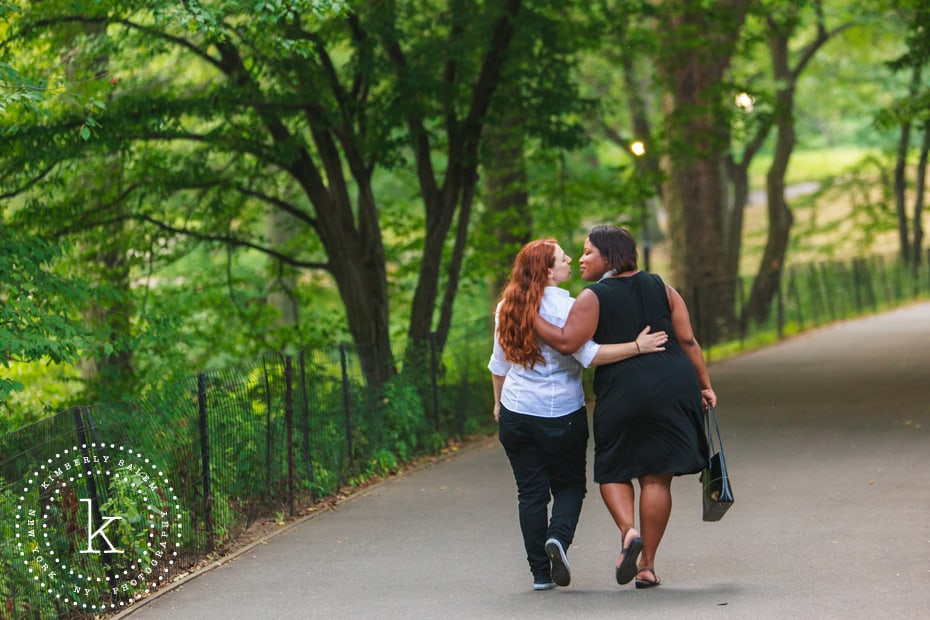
(804, 296)
(157, 485)
(187, 470)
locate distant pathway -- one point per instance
(760, 196)
(828, 437)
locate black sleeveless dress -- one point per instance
(648, 418)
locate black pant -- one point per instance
(547, 455)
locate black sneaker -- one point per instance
(561, 571)
(543, 582)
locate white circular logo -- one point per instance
(97, 527)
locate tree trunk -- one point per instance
(768, 277)
(738, 176)
(351, 237)
(280, 227)
(357, 263)
(110, 376)
(900, 177)
(427, 292)
(692, 70)
(354, 249)
(507, 218)
(919, 200)
(454, 270)
(458, 184)
(647, 164)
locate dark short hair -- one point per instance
(616, 245)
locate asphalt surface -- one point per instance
(827, 437)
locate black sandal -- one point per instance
(627, 569)
(647, 583)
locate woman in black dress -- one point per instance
(648, 419)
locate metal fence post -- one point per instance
(434, 382)
(345, 404)
(268, 428)
(857, 279)
(205, 462)
(289, 430)
(870, 282)
(91, 481)
(780, 311)
(743, 323)
(308, 460)
(793, 286)
(825, 275)
(886, 287)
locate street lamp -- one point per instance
(639, 149)
(745, 102)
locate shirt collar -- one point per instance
(555, 290)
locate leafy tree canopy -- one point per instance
(37, 306)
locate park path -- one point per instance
(828, 439)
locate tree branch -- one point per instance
(488, 77)
(296, 213)
(30, 183)
(418, 135)
(228, 240)
(158, 34)
(807, 53)
(88, 221)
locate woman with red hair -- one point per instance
(539, 405)
(649, 416)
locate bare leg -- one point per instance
(618, 497)
(655, 507)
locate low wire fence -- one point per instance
(805, 296)
(101, 505)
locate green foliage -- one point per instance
(46, 389)
(12, 583)
(870, 212)
(246, 433)
(295, 108)
(403, 420)
(36, 306)
(817, 165)
(151, 140)
(815, 294)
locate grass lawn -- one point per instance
(840, 224)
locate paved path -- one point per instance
(828, 439)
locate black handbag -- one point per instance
(717, 492)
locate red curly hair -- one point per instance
(520, 302)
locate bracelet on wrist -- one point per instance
(638, 350)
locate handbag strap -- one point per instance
(712, 413)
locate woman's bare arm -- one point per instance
(645, 342)
(497, 382)
(579, 326)
(684, 333)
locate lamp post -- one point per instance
(639, 149)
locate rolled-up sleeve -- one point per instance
(586, 354)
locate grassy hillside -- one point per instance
(842, 209)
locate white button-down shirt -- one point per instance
(551, 388)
